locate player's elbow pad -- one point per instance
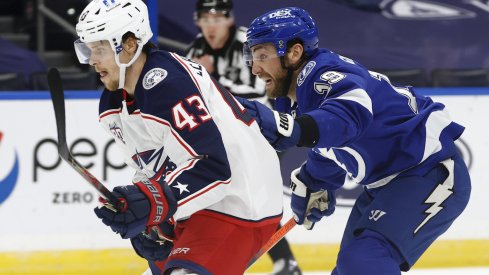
(309, 131)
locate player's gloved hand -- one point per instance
(155, 245)
(309, 205)
(147, 203)
(280, 129)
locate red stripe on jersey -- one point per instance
(177, 137)
(171, 177)
(202, 191)
(110, 112)
(125, 96)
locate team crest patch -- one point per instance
(153, 77)
(305, 72)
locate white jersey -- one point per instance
(183, 129)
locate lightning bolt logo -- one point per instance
(439, 195)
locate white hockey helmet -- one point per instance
(110, 20)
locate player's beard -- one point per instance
(281, 85)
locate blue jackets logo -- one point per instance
(7, 183)
(153, 77)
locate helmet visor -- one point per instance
(98, 50)
(259, 53)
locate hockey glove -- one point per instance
(280, 129)
(309, 206)
(155, 245)
(147, 203)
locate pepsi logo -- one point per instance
(9, 170)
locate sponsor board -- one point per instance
(57, 204)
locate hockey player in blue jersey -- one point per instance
(199, 202)
(396, 143)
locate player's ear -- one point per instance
(130, 45)
(295, 53)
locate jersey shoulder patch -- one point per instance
(305, 72)
(153, 77)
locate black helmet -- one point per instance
(213, 6)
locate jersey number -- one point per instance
(239, 112)
(404, 91)
(183, 118)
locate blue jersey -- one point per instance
(369, 129)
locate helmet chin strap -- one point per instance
(122, 75)
(122, 67)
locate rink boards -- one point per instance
(48, 226)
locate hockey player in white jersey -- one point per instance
(219, 48)
(206, 182)
(395, 142)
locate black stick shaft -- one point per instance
(58, 99)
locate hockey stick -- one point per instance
(276, 237)
(58, 98)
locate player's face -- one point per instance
(102, 59)
(266, 65)
(215, 28)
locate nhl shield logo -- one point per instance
(153, 77)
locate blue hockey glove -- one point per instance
(147, 203)
(309, 206)
(280, 129)
(155, 245)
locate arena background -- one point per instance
(47, 222)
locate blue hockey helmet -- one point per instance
(282, 25)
